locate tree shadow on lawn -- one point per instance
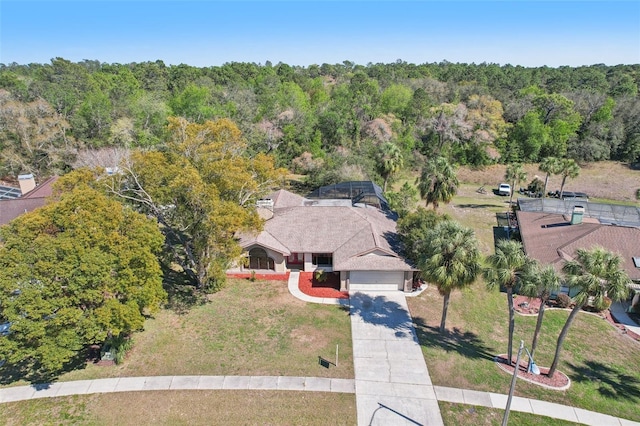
(465, 343)
(34, 373)
(611, 383)
(181, 290)
(476, 206)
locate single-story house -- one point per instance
(356, 240)
(553, 238)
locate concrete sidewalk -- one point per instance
(393, 386)
(532, 406)
(392, 383)
(134, 384)
(308, 384)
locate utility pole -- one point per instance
(505, 420)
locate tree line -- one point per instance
(329, 122)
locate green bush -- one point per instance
(563, 301)
(119, 346)
(320, 276)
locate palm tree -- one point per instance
(551, 166)
(438, 182)
(598, 275)
(391, 161)
(449, 257)
(540, 283)
(506, 268)
(567, 168)
(514, 174)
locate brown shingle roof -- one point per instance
(38, 197)
(360, 237)
(551, 239)
(43, 190)
(283, 199)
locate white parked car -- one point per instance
(504, 189)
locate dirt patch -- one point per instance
(308, 339)
(604, 179)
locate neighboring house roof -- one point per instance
(44, 190)
(9, 192)
(551, 239)
(360, 237)
(10, 209)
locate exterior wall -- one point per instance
(408, 281)
(344, 280)
(279, 261)
(308, 263)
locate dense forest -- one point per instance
(328, 122)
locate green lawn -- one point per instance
(601, 362)
(461, 414)
(248, 328)
(186, 408)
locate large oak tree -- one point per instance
(75, 272)
(201, 187)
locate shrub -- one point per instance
(563, 300)
(118, 346)
(536, 186)
(604, 305)
(320, 276)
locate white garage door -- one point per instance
(376, 281)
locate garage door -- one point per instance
(376, 281)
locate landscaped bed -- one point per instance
(329, 288)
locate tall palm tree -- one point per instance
(391, 161)
(568, 168)
(506, 268)
(540, 282)
(449, 257)
(437, 182)
(598, 275)
(514, 174)
(551, 166)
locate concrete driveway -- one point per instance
(393, 386)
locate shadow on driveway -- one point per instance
(382, 310)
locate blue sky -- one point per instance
(207, 32)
